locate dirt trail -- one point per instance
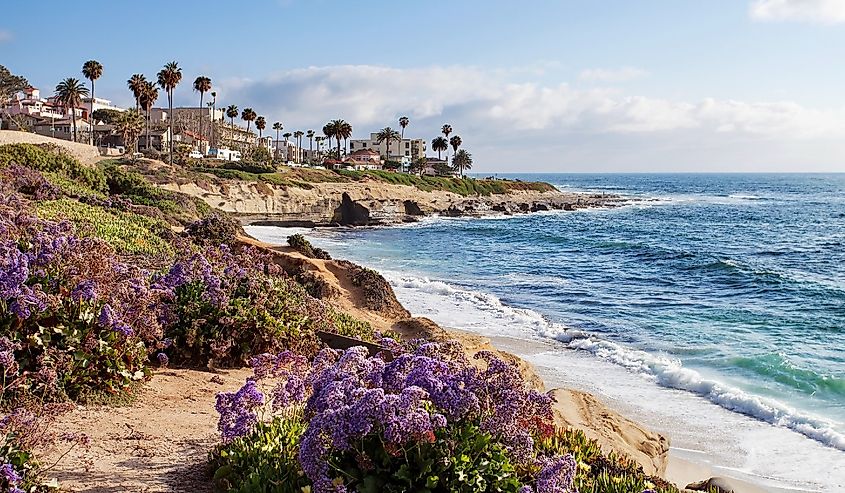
(159, 443)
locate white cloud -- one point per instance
(5, 36)
(823, 11)
(612, 75)
(499, 117)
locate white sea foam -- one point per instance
(475, 309)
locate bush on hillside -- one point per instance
(216, 228)
(225, 307)
(303, 246)
(429, 420)
(53, 159)
(125, 231)
(249, 167)
(73, 318)
(178, 208)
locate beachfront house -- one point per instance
(412, 149)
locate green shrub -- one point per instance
(178, 208)
(216, 228)
(303, 246)
(224, 314)
(126, 232)
(257, 167)
(265, 461)
(52, 159)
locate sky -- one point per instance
(531, 86)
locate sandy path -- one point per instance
(158, 444)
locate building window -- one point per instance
(407, 145)
(407, 153)
(352, 145)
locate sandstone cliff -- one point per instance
(367, 202)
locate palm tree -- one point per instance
(462, 161)
(298, 136)
(260, 124)
(136, 85)
(287, 135)
(342, 130)
(69, 93)
(168, 78)
(329, 131)
(310, 134)
(202, 84)
(346, 132)
(129, 124)
(387, 134)
(403, 122)
(278, 128)
(439, 144)
(446, 130)
(232, 112)
(92, 70)
(248, 115)
(148, 99)
(455, 142)
(319, 139)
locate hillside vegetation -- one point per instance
(104, 278)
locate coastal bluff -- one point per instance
(369, 202)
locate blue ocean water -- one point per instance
(729, 287)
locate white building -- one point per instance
(93, 104)
(413, 149)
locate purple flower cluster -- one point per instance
(558, 475)
(29, 182)
(239, 410)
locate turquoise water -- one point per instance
(728, 287)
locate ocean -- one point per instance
(712, 310)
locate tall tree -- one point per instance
(403, 122)
(287, 135)
(342, 130)
(92, 70)
(310, 134)
(298, 136)
(446, 130)
(148, 98)
(387, 134)
(462, 161)
(136, 85)
(260, 124)
(329, 131)
(439, 144)
(202, 85)
(248, 115)
(455, 142)
(129, 124)
(168, 78)
(10, 84)
(278, 128)
(69, 93)
(232, 112)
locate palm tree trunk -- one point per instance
(170, 122)
(73, 116)
(91, 115)
(201, 95)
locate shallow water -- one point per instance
(726, 290)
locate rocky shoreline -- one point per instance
(372, 203)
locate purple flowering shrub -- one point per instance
(22, 431)
(73, 317)
(427, 420)
(224, 306)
